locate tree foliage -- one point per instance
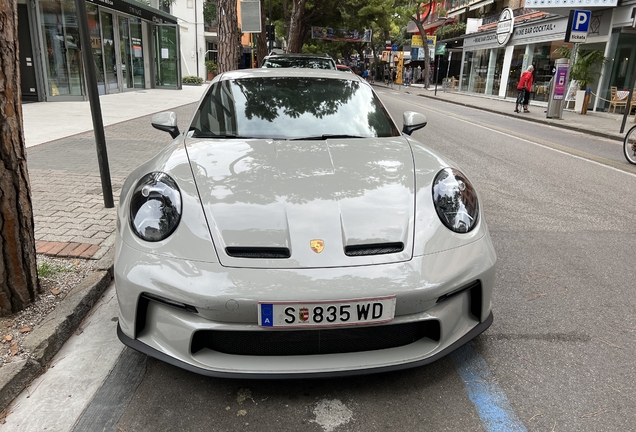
(293, 20)
(587, 64)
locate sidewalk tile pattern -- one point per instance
(68, 205)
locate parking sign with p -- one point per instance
(578, 25)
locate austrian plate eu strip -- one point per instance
(335, 313)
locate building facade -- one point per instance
(491, 68)
(134, 47)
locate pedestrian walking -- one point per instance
(393, 76)
(407, 77)
(386, 76)
(524, 87)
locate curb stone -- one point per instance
(47, 339)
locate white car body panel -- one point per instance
(273, 193)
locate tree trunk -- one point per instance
(229, 42)
(294, 34)
(418, 19)
(261, 40)
(18, 268)
(427, 54)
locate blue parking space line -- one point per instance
(489, 399)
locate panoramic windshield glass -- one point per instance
(291, 108)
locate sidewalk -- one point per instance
(70, 218)
(68, 205)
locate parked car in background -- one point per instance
(314, 61)
(294, 230)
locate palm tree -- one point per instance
(586, 68)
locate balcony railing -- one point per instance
(211, 26)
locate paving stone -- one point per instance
(80, 249)
(67, 195)
(88, 253)
(68, 249)
(84, 239)
(57, 248)
(44, 246)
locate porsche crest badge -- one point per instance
(317, 245)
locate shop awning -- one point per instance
(138, 9)
(480, 4)
(456, 13)
(439, 23)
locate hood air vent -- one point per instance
(374, 249)
(258, 252)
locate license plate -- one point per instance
(295, 314)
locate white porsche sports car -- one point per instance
(294, 231)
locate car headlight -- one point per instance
(455, 200)
(155, 207)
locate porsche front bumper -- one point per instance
(165, 303)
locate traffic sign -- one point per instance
(394, 47)
(578, 26)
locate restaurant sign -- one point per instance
(505, 26)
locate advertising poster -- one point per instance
(560, 82)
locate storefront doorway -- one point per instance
(109, 52)
(60, 34)
(130, 65)
(166, 55)
(132, 48)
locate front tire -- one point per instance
(629, 146)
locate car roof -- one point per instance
(286, 72)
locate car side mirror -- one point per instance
(167, 122)
(412, 121)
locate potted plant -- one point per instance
(585, 70)
(211, 67)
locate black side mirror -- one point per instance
(412, 121)
(167, 122)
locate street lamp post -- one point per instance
(438, 57)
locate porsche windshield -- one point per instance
(291, 108)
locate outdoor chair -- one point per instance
(615, 102)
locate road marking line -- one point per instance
(489, 399)
(597, 160)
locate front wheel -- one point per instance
(629, 146)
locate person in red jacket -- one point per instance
(524, 87)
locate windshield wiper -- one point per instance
(324, 137)
(227, 135)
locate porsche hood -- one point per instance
(303, 204)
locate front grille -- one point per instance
(258, 252)
(309, 342)
(374, 249)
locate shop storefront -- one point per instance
(491, 68)
(621, 54)
(134, 47)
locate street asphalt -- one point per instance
(67, 195)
